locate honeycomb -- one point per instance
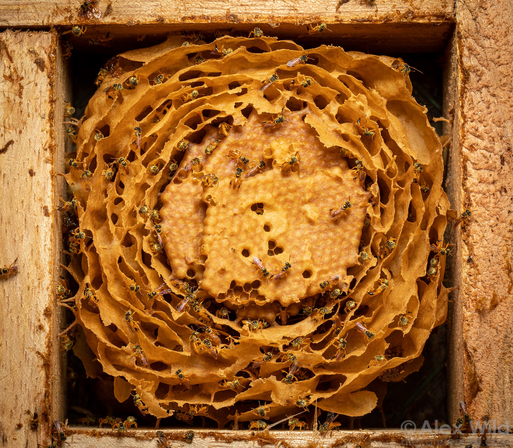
(259, 227)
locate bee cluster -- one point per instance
(254, 229)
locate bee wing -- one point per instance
(181, 306)
(361, 327)
(331, 416)
(293, 368)
(293, 62)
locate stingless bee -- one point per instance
(114, 90)
(258, 425)
(361, 328)
(267, 82)
(277, 119)
(211, 147)
(257, 32)
(328, 425)
(284, 271)
(366, 131)
(319, 28)
(235, 183)
(296, 423)
(7, 271)
(190, 96)
(254, 325)
(300, 60)
(350, 305)
(331, 282)
(258, 263)
(209, 180)
(69, 110)
(256, 169)
(403, 67)
(223, 51)
(139, 357)
(224, 129)
(383, 284)
(337, 213)
(290, 377)
(439, 248)
(76, 30)
(341, 345)
(262, 410)
(139, 404)
(292, 164)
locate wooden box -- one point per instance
(478, 105)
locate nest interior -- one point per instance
(184, 294)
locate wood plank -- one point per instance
(400, 25)
(452, 186)
(296, 439)
(486, 129)
(28, 232)
(110, 12)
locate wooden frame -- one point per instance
(35, 86)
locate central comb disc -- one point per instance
(289, 216)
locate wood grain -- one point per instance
(28, 229)
(296, 439)
(452, 186)
(110, 12)
(486, 129)
(385, 26)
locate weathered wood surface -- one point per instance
(366, 25)
(110, 12)
(28, 232)
(296, 439)
(486, 130)
(452, 186)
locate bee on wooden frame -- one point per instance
(319, 28)
(329, 424)
(296, 423)
(259, 425)
(76, 30)
(68, 206)
(7, 271)
(257, 32)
